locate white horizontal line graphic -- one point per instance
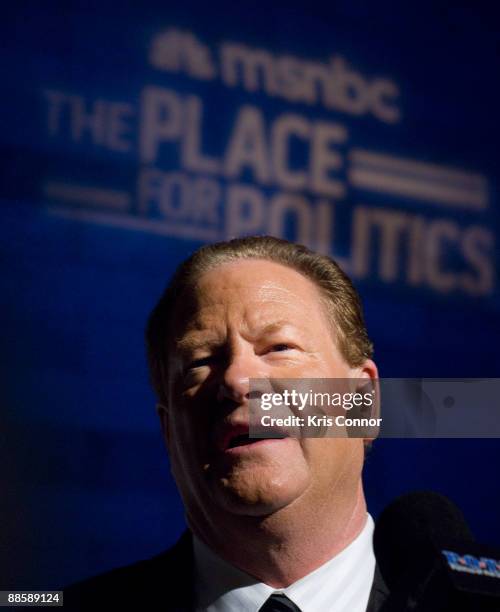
(423, 181)
(389, 183)
(90, 196)
(417, 168)
(152, 226)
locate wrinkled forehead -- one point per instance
(255, 289)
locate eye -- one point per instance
(198, 363)
(282, 346)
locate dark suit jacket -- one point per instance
(163, 583)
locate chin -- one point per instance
(257, 493)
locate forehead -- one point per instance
(257, 290)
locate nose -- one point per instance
(235, 379)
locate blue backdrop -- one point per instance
(131, 135)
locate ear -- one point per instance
(162, 412)
(366, 377)
(368, 369)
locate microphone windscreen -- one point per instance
(408, 533)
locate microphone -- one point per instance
(429, 559)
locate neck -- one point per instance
(280, 548)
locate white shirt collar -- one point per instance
(342, 584)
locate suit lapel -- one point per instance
(379, 593)
(175, 570)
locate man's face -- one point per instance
(243, 320)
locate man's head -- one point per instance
(253, 308)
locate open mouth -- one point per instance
(245, 440)
(241, 440)
(234, 435)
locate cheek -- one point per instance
(186, 458)
(191, 430)
(332, 459)
(187, 434)
(192, 381)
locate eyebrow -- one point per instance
(271, 328)
(191, 342)
(194, 341)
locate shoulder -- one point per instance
(162, 582)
